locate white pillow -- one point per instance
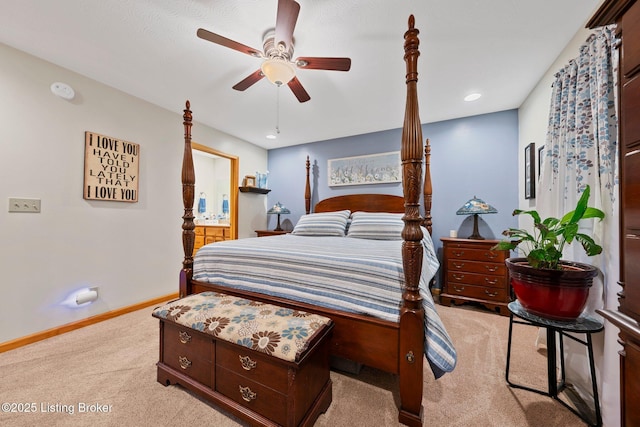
(376, 225)
(322, 224)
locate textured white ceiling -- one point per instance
(149, 48)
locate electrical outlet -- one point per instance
(24, 205)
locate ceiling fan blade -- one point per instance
(288, 11)
(249, 81)
(335, 64)
(298, 90)
(223, 41)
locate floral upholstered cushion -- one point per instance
(280, 332)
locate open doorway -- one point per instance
(216, 195)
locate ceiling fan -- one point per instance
(278, 65)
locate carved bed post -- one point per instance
(307, 190)
(411, 313)
(428, 189)
(188, 193)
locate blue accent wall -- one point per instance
(471, 156)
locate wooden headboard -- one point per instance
(362, 202)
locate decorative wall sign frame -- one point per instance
(530, 171)
(382, 168)
(111, 168)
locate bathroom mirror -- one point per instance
(216, 198)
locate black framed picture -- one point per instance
(530, 171)
(540, 155)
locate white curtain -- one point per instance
(582, 149)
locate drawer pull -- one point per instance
(458, 289)
(491, 294)
(458, 264)
(491, 268)
(491, 255)
(184, 337)
(247, 363)
(458, 253)
(184, 362)
(458, 276)
(246, 394)
(490, 281)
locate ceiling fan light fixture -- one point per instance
(278, 71)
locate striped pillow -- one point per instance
(322, 224)
(376, 225)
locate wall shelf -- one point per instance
(254, 190)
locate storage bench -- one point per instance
(266, 364)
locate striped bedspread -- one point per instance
(349, 274)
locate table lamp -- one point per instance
(476, 207)
(278, 209)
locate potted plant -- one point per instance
(545, 284)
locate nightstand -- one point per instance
(263, 233)
(472, 272)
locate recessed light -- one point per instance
(271, 136)
(472, 97)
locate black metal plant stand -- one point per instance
(583, 325)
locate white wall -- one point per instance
(131, 251)
(533, 119)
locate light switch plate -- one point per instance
(24, 205)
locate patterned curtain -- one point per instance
(582, 149)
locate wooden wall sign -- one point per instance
(110, 168)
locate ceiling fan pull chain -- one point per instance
(278, 110)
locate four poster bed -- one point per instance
(374, 285)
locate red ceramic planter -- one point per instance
(553, 294)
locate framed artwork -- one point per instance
(380, 168)
(110, 168)
(249, 181)
(530, 171)
(540, 155)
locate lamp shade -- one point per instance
(278, 209)
(476, 207)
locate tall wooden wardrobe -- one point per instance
(626, 14)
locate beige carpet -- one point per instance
(112, 364)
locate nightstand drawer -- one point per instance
(477, 267)
(479, 292)
(466, 253)
(477, 279)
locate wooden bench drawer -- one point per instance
(188, 352)
(252, 395)
(251, 365)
